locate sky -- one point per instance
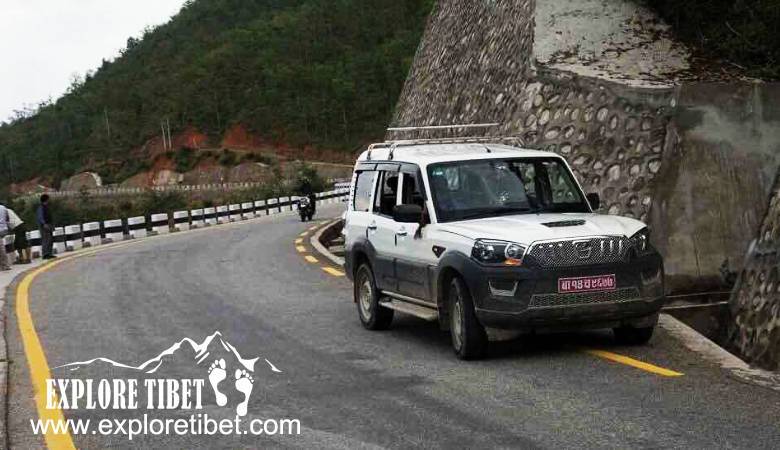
(44, 43)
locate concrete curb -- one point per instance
(315, 242)
(712, 352)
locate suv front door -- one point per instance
(414, 253)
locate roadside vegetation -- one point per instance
(86, 208)
(299, 72)
(741, 34)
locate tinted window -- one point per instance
(363, 186)
(385, 198)
(412, 189)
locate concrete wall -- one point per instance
(716, 180)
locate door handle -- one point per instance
(402, 232)
(372, 226)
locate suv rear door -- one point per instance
(382, 228)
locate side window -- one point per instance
(386, 193)
(363, 187)
(411, 190)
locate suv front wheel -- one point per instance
(373, 316)
(469, 339)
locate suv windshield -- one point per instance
(493, 187)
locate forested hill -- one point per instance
(325, 73)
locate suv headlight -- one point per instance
(489, 251)
(641, 241)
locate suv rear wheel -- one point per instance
(633, 336)
(373, 316)
(469, 339)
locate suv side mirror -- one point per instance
(407, 213)
(594, 200)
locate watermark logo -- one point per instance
(184, 379)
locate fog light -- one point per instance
(502, 288)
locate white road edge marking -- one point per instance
(712, 352)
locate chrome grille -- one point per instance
(584, 298)
(580, 252)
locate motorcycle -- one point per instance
(305, 209)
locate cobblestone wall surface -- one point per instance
(755, 302)
(474, 65)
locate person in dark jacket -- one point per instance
(46, 226)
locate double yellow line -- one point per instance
(301, 248)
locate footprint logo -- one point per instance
(244, 385)
(217, 374)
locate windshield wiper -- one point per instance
(492, 212)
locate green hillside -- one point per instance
(325, 73)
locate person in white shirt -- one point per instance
(4, 230)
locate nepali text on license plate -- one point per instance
(587, 284)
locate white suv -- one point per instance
(481, 235)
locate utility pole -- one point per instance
(165, 140)
(170, 142)
(108, 124)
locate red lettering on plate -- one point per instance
(587, 284)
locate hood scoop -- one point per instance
(564, 223)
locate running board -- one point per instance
(422, 312)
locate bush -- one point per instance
(185, 160)
(741, 32)
(227, 158)
(308, 180)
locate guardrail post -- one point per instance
(181, 220)
(137, 227)
(91, 234)
(34, 238)
(59, 240)
(73, 238)
(211, 216)
(248, 210)
(160, 224)
(113, 231)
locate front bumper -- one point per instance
(527, 298)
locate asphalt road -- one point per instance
(351, 388)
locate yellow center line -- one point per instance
(311, 259)
(300, 248)
(633, 363)
(334, 272)
(299, 241)
(303, 234)
(36, 358)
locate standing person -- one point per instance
(4, 229)
(46, 225)
(21, 244)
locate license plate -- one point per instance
(587, 284)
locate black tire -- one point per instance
(469, 339)
(633, 336)
(372, 315)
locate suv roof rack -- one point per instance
(392, 145)
(444, 127)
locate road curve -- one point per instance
(351, 388)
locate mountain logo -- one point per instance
(216, 357)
